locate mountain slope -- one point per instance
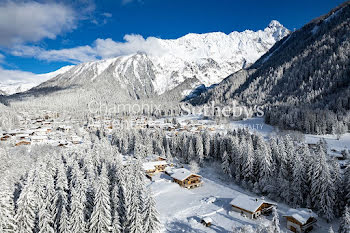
(202, 58)
(306, 75)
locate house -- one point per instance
(154, 167)
(38, 139)
(41, 131)
(22, 136)
(22, 142)
(5, 138)
(185, 178)
(13, 132)
(300, 220)
(250, 206)
(76, 140)
(206, 221)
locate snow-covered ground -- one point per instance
(181, 209)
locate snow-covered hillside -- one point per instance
(207, 57)
(10, 87)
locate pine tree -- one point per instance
(199, 149)
(7, 214)
(322, 188)
(46, 220)
(25, 214)
(116, 228)
(225, 164)
(298, 181)
(330, 230)
(77, 216)
(63, 225)
(265, 165)
(206, 144)
(151, 221)
(101, 219)
(190, 150)
(275, 224)
(344, 226)
(248, 167)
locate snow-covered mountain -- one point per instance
(10, 87)
(208, 58)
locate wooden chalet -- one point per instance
(300, 220)
(250, 206)
(154, 167)
(23, 143)
(185, 178)
(5, 138)
(206, 221)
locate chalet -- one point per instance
(41, 131)
(76, 140)
(22, 142)
(13, 132)
(250, 206)
(185, 178)
(300, 220)
(154, 167)
(38, 139)
(5, 138)
(206, 221)
(22, 136)
(62, 144)
(64, 128)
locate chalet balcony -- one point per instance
(306, 226)
(193, 185)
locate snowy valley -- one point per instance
(246, 132)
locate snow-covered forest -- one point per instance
(279, 168)
(82, 190)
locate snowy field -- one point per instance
(181, 209)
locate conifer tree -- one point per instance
(151, 221)
(344, 226)
(25, 214)
(7, 214)
(225, 164)
(101, 219)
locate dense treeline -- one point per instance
(278, 168)
(87, 190)
(311, 121)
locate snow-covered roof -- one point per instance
(39, 137)
(248, 203)
(182, 173)
(207, 220)
(151, 165)
(301, 215)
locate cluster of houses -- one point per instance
(301, 220)
(41, 129)
(298, 220)
(141, 122)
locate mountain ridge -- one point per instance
(208, 57)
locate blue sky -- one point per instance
(52, 34)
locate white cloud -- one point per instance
(13, 76)
(22, 22)
(107, 14)
(101, 48)
(2, 58)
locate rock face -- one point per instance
(205, 58)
